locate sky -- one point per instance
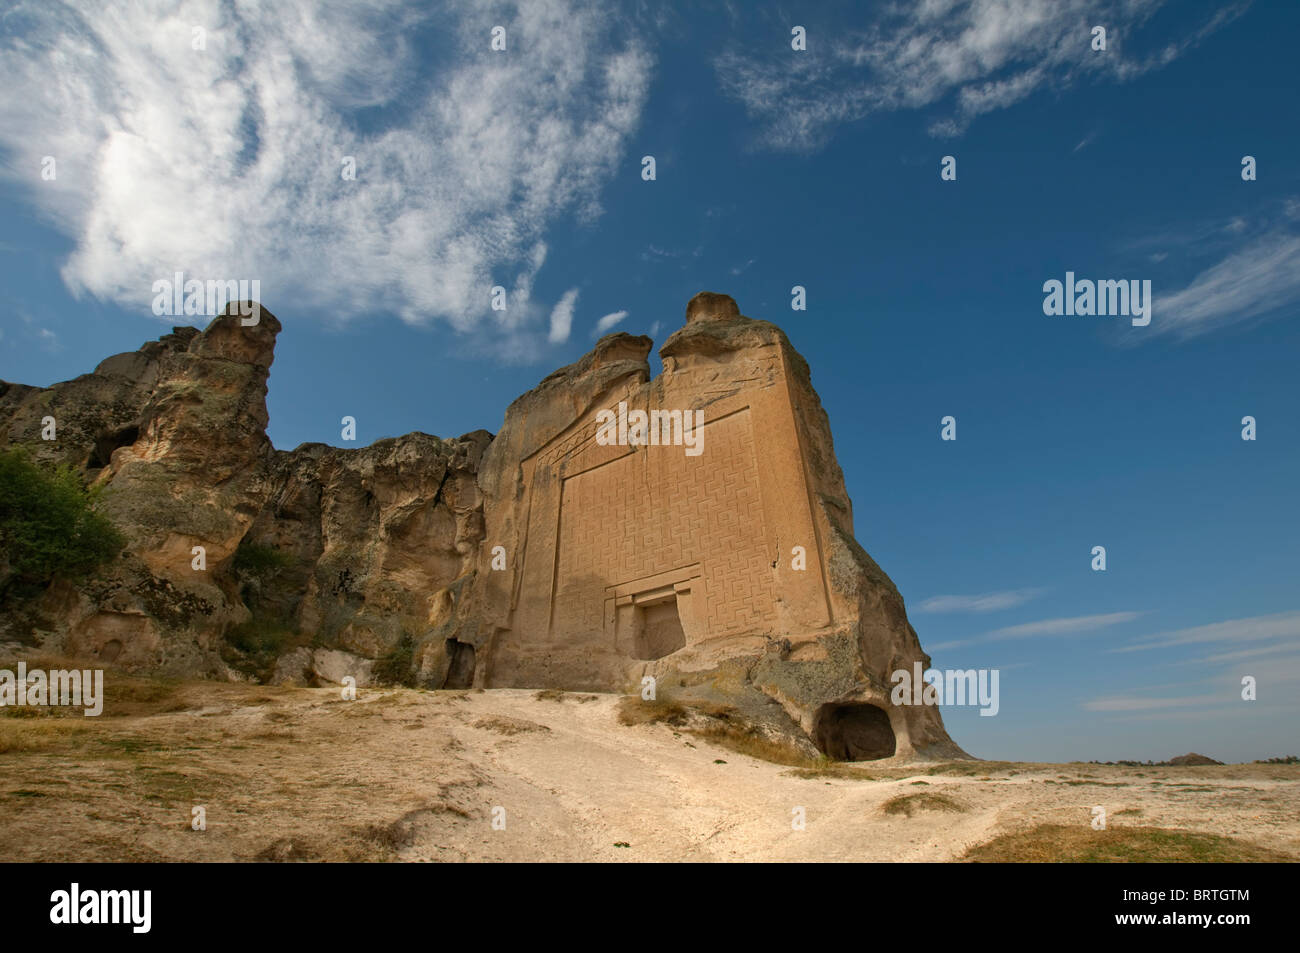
(213, 138)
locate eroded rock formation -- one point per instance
(555, 554)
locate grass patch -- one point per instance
(719, 724)
(32, 711)
(397, 667)
(824, 767)
(168, 787)
(1100, 784)
(509, 726)
(126, 695)
(128, 746)
(287, 850)
(911, 804)
(751, 741)
(22, 735)
(1080, 844)
(561, 696)
(971, 769)
(632, 710)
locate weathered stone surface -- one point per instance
(541, 557)
(370, 540)
(303, 666)
(632, 561)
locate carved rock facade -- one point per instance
(714, 554)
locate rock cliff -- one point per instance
(542, 557)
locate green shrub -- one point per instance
(253, 647)
(260, 638)
(48, 525)
(258, 560)
(396, 668)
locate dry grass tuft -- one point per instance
(719, 724)
(509, 726)
(632, 710)
(1058, 843)
(19, 735)
(752, 741)
(559, 695)
(824, 767)
(912, 804)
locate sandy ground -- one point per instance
(299, 774)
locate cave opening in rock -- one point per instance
(109, 440)
(460, 673)
(855, 731)
(659, 630)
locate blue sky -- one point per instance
(774, 168)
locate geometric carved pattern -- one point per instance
(656, 509)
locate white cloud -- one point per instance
(1133, 703)
(608, 321)
(1283, 625)
(1255, 280)
(226, 162)
(1270, 652)
(1048, 627)
(985, 602)
(968, 57)
(1083, 623)
(562, 317)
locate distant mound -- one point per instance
(1192, 758)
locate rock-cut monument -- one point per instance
(692, 527)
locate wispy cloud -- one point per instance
(1065, 626)
(1276, 681)
(655, 253)
(1230, 269)
(227, 161)
(562, 317)
(1259, 652)
(984, 602)
(966, 57)
(1261, 278)
(1143, 703)
(1044, 627)
(607, 322)
(1283, 625)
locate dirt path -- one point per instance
(300, 774)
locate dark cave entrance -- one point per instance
(460, 673)
(855, 731)
(109, 440)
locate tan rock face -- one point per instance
(720, 562)
(693, 528)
